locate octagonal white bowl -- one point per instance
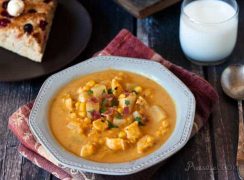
(182, 96)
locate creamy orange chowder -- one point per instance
(112, 116)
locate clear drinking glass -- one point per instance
(208, 30)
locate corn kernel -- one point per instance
(161, 132)
(82, 114)
(87, 150)
(122, 134)
(95, 140)
(120, 110)
(82, 107)
(158, 133)
(121, 96)
(90, 83)
(78, 120)
(77, 104)
(129, 119)
(138, 89)
(72, 115)
(87, 120)
(101, 141)
(99, 125)
(165, 124)
(79, 90)
(85, 88)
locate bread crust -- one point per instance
(13, 36)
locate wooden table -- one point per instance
(211, 154)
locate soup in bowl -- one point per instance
(112, 116)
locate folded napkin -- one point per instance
(124, 44)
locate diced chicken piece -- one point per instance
(68, 102)
(83, 96)
(75, 126)
(133, 132)
(144, 143)
(141, 101)
(87, 150)
(117, 89)
(115, 144)
(118, 121)
(92, 107)
(128, 101)
(98, 90)
(99, 125)
(157, 113)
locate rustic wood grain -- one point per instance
(141, 9)
(108, 19)
(12, 96)
(240, 147)
(224, 119)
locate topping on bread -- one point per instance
(25, 26)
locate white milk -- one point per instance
(208, 33)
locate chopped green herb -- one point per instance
(90, 92)
(111, 125)
(104, 92)
(114, 102)
(139, 120)
(103, 110)
(110, 91)
(119, 116)
(127, 102)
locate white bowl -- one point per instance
(182, 96)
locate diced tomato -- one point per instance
(126, 111)
(127, 93)
(96, 115)
(94, 100)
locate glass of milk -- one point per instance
(208, 30)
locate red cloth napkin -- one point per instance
(124, 44)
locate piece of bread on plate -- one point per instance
(26, 33)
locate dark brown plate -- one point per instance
(69, 36)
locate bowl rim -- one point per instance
(96, 167)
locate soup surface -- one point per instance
(112, 116)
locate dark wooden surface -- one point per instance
(141, 9)
(211, 154)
